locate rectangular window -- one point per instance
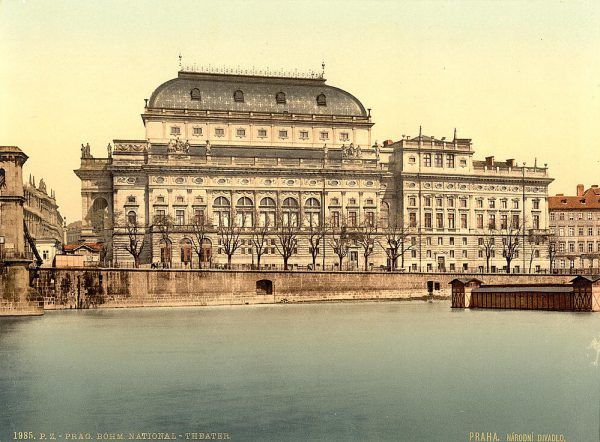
(450, 202)
(344, 136)
(515, 204)
(536, 204)
(219, 132)
(197, 131)
(262, 133)
(412, 201)
(427, 201)
(492, 222)
(536, 222)
(412, 218)
(480, 220)
(438, 202)
(324, 135)
(199, 217)
(352, 219)
(427, 160)
(439, 160)
(179, 217)
(516, 221)
(240, 133)
(175, 130)
(479, 203)
(492, 203)
(504, 204)
(428, 220)
(304, 135)
(503, 221)
(335, 219)
(283, 134)
(450, 161)
(439, 217)
(463, 221)
(370, 219)
(451, 224)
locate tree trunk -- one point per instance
(341, 259)
(314, 262)
(258, 256)
(285, 263)
(487, 264)
(229, 262)
(508, 265)
(366, 263)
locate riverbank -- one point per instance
(114, 288)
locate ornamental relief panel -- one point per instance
(129, 147)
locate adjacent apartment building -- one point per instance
(575, 228)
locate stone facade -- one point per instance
(575, 227)
(459, 211)
(241, 151)
(43, 219)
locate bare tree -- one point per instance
(488, 246)
(104, 229)
(260, 238)
(535, 239)
(398, 239)
(200, 230)
(229, 232)
(164, 225)
(340, 242)
(287, 231)
(136, 238)
(316, 240)
(366, 235)
(510, 244)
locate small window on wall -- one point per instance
(262, 133)
(324, 135)
(321, 100)
(304, 135)
(197, 131)
(131, 199)
(160, 199)
(240, 133)
(219, 132)
(283, 134)
(344, 136)
(175, 130)
(280, 98)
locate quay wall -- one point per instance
(64, 288)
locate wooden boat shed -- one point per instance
(581, 295)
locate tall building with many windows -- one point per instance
(465, 214)
(226, 155)
(575, 226)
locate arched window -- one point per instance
(222, 210)
(289, 212)
(98, 215)
(195, 94)
(280, 98)
(244, 212)
(267, 210)
(132, 217)
(321, 100)
(238, 96)
(312, 208)
(185, 248)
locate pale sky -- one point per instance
(522, 79)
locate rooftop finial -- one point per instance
(420, 131)
(323, 69)
(454, 134)
(180, 62)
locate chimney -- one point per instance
(510, 162)
(489, 161)
(580, 189)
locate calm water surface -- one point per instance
(341, 372)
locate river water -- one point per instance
(340, 372)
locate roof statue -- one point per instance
(207, 147)
(85, 151)
(350, 151)
(42, 187)
(109, 150)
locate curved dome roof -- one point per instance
(260, 94)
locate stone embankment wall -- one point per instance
(89, 288)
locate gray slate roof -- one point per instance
(217, 91)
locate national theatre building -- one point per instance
(248, 169)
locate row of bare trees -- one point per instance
(396, 239)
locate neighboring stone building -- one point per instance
(575, 224)
(44, 221)
(243, 151)
(74, 232)
(459, 211)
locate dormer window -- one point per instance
(321, 100)
(195, 94)
(280, 98)
(238, 96)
